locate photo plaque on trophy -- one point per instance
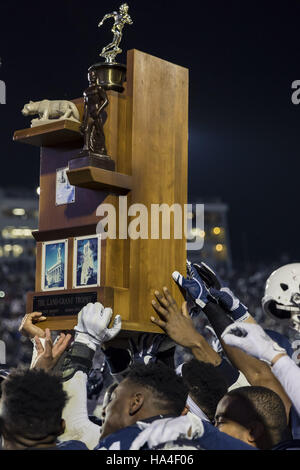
(87, 261)
(54, 265)
(64, 191)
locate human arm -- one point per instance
(78, 426)
(48, 353)
(29, 329)
(224, 296)
(288, 374)
(253, 340)
(145, 348)
(256, 372)
(91, 332)
(29, 325)
(75, 413)
(178, 325)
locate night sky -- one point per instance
(244, 144)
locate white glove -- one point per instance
(168, 429)
(252, 339)
(92, 324)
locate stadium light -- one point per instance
(217, 230)
(18, 211)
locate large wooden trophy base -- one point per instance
(147, 138)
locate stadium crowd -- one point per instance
(220, 376)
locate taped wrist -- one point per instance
(80, 357)
(217, 317)
(239, 315)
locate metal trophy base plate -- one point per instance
(91, 159)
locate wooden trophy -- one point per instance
(146, 133)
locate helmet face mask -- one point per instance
(282, 295)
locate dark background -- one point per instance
(244, 129)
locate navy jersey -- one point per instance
(122, 439)
(281, 340)
(211, 439)
(71, 445)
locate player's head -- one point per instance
(282, 295)
(255, 415)
(31, 408)
(92, 76)
(206, 385)
(147, 391)
(124, 7)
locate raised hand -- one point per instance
(253, 340)
(174, 321)
(48, 356)
(146, 348)
(195, 286)
(92, 326)
(231, 303)
(29, 326)
(208, 275)
(225, 297)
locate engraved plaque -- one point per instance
(62, 304)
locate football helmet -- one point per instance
(282, 295)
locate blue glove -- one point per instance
(195, 287)
(222, 294)
(208, 275)
(143, 352)
(231, 303)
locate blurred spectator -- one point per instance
(16, 279)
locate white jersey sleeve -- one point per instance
(288, 374)
(78, 425)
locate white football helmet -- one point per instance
(282, 295)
